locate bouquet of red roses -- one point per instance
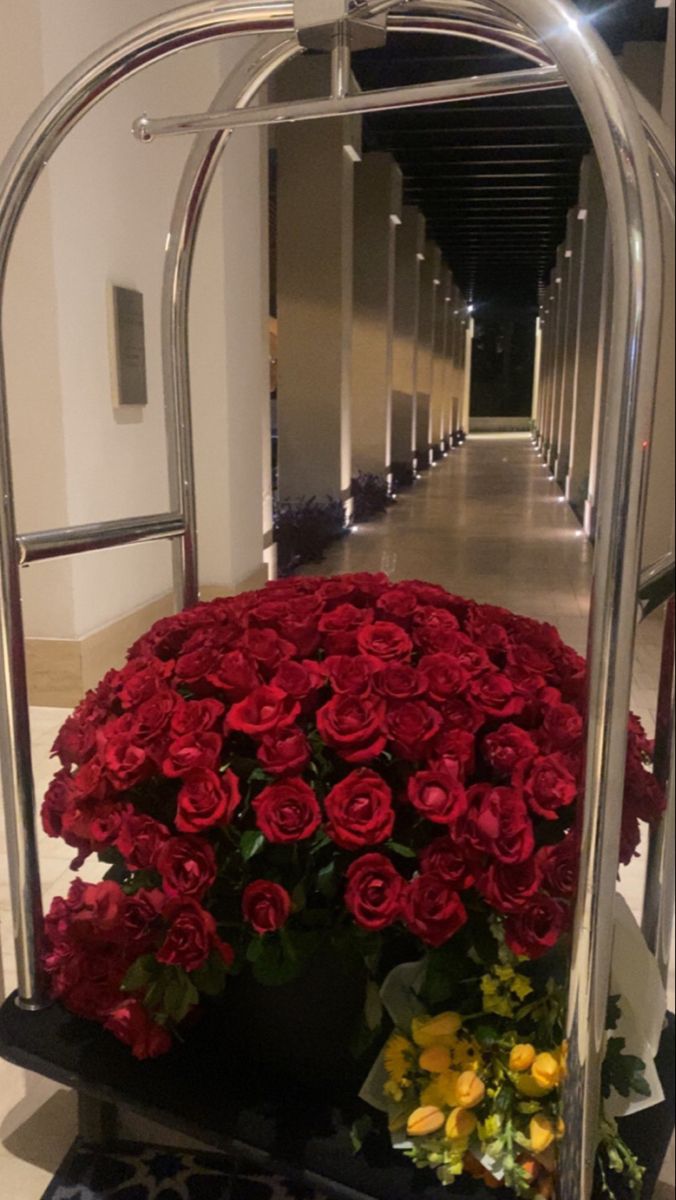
(384, 768)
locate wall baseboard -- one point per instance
(61, 670)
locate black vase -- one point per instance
(304, 1029)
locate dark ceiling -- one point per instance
(494, 178)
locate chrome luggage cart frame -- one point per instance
(635, 152)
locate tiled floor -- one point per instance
(487, 523)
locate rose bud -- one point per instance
(460, 1125)
(266, 906)
(471, 1090)
(546, 1071)
(425, 1121)
(522, 1058)
(542, 1134)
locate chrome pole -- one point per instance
(53, 119)
(481, 87)
(101, 535)
(658, 907)
(239, 88)
(623, 154)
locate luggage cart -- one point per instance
(635, 152)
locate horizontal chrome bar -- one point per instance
(657, 585)
(532, 79)
(101, 535)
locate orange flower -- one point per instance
(425, 1121)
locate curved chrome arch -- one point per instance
(616, 130)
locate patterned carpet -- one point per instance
(130, 1171)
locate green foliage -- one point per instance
(624, 1072)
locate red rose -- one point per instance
(644, 796)
(374, 892)
(263, 710)
(56, 802)
(141, 917)
(195, 716)
(102, 907)
(433, 629)
(399, 681)
(498, 824)
(455, 751)
(139, 680)
(438, 796)
(509, 889)
(234, 674)
(353, 727)
(385, 641)
(187, 866)
(494, 694)
(550, 786)
(412, 727)
(287, 811)
(132, 1024)
(300, 680)
(563, 726)
(630, 839)
(560, 866)
(471, 657)
(459, 716)
(192, 752)
(266, 906)
(398, 604)
(446, 856)
(267, 648)
(446, 676)
(196, 667)
(507, 748)
(360, 811)
(351, 675)
(139, 840)
(433, 910)
(339, 628)
(207, 799)
(124, 763)
(190, 937)
(286, 752)
(152, 718)
(76, 741)
(534, 930)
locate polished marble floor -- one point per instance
(487, 522)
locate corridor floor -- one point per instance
(487, 523)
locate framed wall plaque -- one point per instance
(128, 349)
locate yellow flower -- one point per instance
(521, 986)
(522, 1058)
(460, 1125)
(435, 1060)
(542, 1134)
(471, 1090)
(425, 1121)
(399, 1058)
(465, 1053)
(436, 1031)
(546, 1071)
(443, 1091)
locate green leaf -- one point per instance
(614, 1012)
(180, 995)
(140, 973)
(359, 1132)
(142, 879)
(299, 897)
(255, 950)
(402, 851)
(210, 979)
(624, 1072)
(252, 843)
(327, 883)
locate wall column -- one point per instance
(573, 277)
(442, 332)
(593, 219)
(537, 370)
(377, 213)
(315, 238)
(467, 392)
(429, 295)
(410, 247)
(557, 363)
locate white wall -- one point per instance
(110, 200)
